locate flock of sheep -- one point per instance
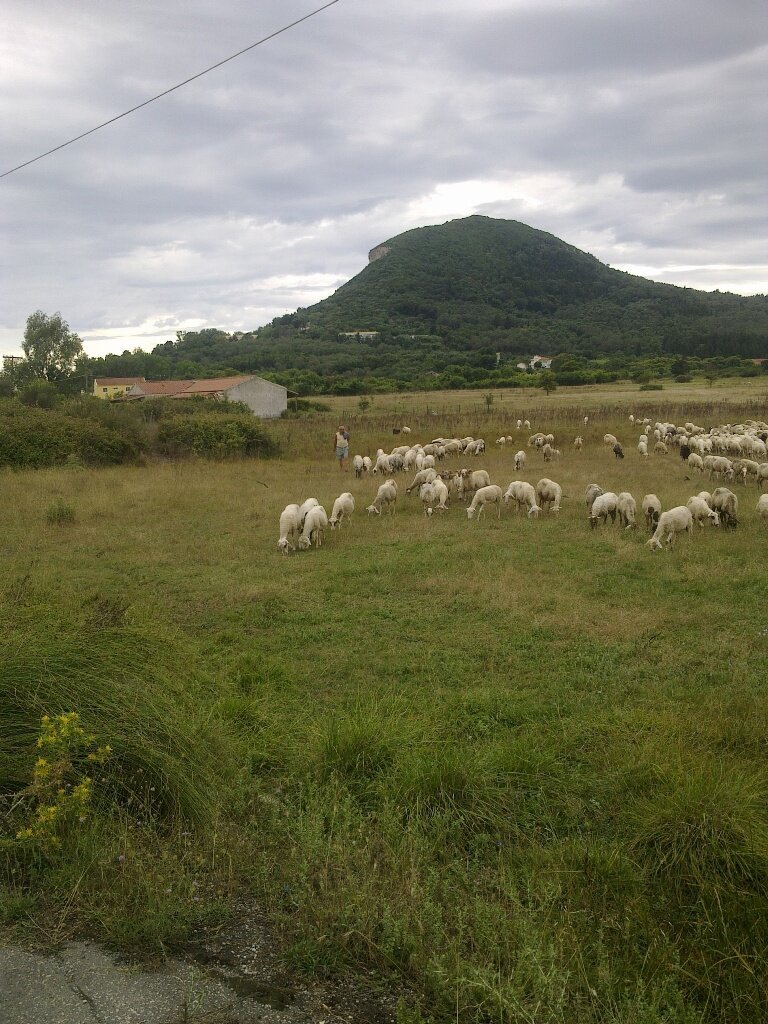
(702, 450)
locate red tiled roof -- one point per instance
(163, 387)
(215, 385)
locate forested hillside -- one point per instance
(461, 303)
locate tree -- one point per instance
(50, 346)
(547, 381)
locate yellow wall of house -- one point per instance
(110, 390)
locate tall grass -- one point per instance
(518, 763)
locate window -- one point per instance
(105, 390)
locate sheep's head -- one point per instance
(283, 546)
(304, 543)
(534, 512)
(714, 518)
(654, 544)
(372, 508)
(470, 512)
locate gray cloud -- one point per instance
(633, 131)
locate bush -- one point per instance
(651, 387)
(214, 435)
(31, 438)
(59, 512)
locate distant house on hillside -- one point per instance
(542, 362)
(262, 397)
(360, 335)
(114, 387)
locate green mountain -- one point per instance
(459, 304)
(485, 283)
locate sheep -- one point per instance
(696, 462)
(762, 507)
(726, 504)
(610, 440)
(700, 511)
(593, 491)
(706, 496)
(661, 449)
(673, 521)
(578, 443)
(501, 441)
(627, 510)
(520, 461)
(441, 494)
(604, 505)
(527, 424)
(547, 452)
(290, 528)
(642, 449)
(549, 438)
(343, 508)
(519, 425)
(405, 430)
(305, 507)
(424, 476)
(386, 497)
(586, 420)
(536, 441)
(651, 511)
(522, 493)
(315, 522)
(383, 464)
(762, 474)
(476, 479)
(488, 495)
(358, 466)
(428, 498)
(618, 451)
(549, 493)
(367, 464)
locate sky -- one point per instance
(637, 132)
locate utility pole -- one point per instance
(9, 362)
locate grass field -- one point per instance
(520, 764)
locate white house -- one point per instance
(262, 397)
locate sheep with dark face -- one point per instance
(726, 504)
(651, 511)
(618, 451)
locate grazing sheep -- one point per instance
(700, 511)
(343, 508)
(358, 466)
(762, 507)
(536, 441)
(367, 464)
(696, 462)
(485, 496)
(501, 441)
(586, 420)
(661, 449)
(651, 511)
(603, 506)
(475, 479)
(673, 521)
(762, 474)
(726, 504)
(593, 491)
(386, 497)
(527, 424)
(441, 493)
(618, 451)
(642, 449)
(627, 510)
(305, 507)
(315, 522)
(610, 440)
(706, 496)
(522, 493)
(428, 498)
(549, 493)
(405, 430)
(290, 528)
(578, 443)
(547, 452)
(519, 425)
(424, 476)
(520, 461)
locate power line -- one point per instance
(173, 88)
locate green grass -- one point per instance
(519, 764)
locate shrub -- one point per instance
(651, 387)
(60, 512)
(212, 435)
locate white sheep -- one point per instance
(578, 443)
(386, 497)
(762, 474)
(367, 464)
(547, 451)
(700, 511)
(424, 476)
(405, 430)
(290, 528)
(642, 449)
(522, 493)
(549, 493)
(695, 462)
(610, 439)
(726, 504)
(475, 479)
(593, 491)
(673, 521)
(603, 506)
(441, 493)
(762, 507)
(488, 495)
(428, 498)
(661, 449)
(343, 508)
(305, 507)
(315, 522)
(358, 465)
(627, 510)
(527, 424)
(520, 461)
(651, 511)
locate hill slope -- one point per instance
(481, 282)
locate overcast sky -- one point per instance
(635, 131)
